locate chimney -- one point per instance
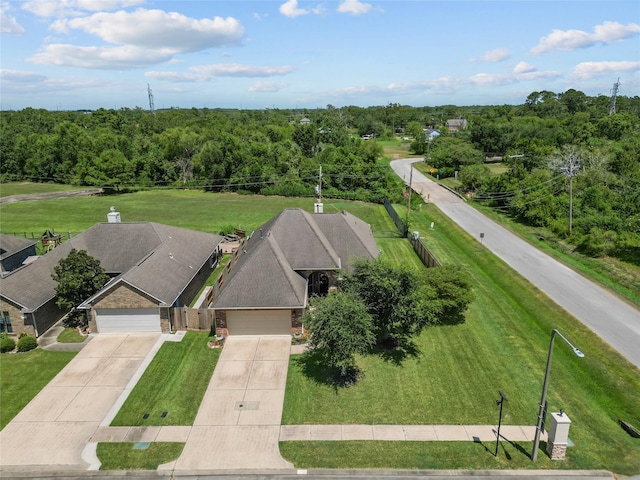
(113, 216)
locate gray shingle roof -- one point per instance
(263, 278)
(10, 244)
(293, 241)
(137, 252)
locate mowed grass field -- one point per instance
(453, 373)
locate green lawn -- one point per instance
(20, 188)
(455, 372)
(70, 335)
(174, 382)
(209, 212)
(123, 456)
(23, 375)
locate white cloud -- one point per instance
(587, 70)
(117, 58)
(238, 70)
(355, 7)
(290, 9)
(17, 76)
(497, 55)
(267, 87)
(206, 73)
(72, 8)
(568, 40)
(156, 29)
(8, 23)
(523, 67)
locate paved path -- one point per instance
(615, 321)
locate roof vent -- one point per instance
(113, 216)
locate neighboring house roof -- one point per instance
(10, 245)
(455, 123)
(293, 241)
(157, 259)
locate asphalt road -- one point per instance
(614, 320)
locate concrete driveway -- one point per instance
(54, 428)
(238, 423)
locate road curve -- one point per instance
(615, 321)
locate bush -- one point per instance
(7, 343)
(27, 343)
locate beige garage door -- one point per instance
(259, 322)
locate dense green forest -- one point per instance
(556, 150)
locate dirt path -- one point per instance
(48, 195)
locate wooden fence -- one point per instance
(199, 319)
(428, 259)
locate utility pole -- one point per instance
(570, 169)
(409, 200)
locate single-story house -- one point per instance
(14, 251)
(153, 268)
(294, 255)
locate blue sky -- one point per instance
(87, 54)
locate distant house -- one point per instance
(14, 251)
(153, 268)
(431, 133)
(294, 255)
(305, 121)
(457, 124)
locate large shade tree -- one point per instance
(402, 302)
(78, 276)
(340, 328)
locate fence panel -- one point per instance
(395, 217)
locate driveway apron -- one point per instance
(238, 423)
(54, 428)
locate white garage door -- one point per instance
(259, 322)
(128, 320)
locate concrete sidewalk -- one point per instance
(422, 433)
(293, 433)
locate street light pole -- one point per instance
(499, 402)
(543, 398)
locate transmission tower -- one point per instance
(151, 106)
(614, 94)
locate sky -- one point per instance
(89, 54)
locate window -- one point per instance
(5, 323)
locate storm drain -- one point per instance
(247, 405)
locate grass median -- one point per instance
(172, 387)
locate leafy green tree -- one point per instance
(78, 276)
(392, 296)
(448, 292)
(340, 327)
(475, 176)
(450, 153)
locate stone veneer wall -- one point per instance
(557, 451)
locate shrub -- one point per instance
(27, 343)
(7, 343)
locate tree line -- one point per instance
(571, 164)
